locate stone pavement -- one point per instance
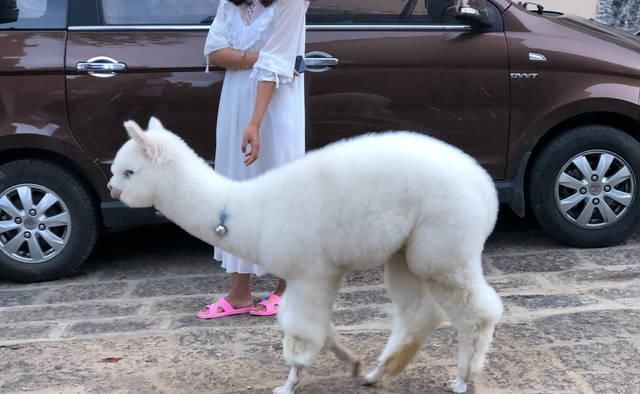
(125, 324)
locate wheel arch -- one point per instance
(70, 157)
(521, 195)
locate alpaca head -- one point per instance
(141, 164)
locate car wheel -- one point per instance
(48, 221)
(584, 186)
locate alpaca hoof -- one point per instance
(458, 385)
(371, 379)
(355, 369)
(364, 381)
(283, 390)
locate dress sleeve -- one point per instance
(277, 59)
(218, 37)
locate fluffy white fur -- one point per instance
(421, 207)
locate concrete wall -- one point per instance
(585, 8)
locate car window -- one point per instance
(381, 12)
(33, 14)
(158, 12)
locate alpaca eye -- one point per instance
(128, 173)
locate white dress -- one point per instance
(277, 32)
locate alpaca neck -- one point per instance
(198, 198)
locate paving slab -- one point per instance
(125, 323)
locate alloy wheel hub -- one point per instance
(31, 223)
(595, 189)
(34, 223)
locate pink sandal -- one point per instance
(227, 310)
(270, 303)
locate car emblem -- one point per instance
(524, 75)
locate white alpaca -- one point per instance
(421, 207)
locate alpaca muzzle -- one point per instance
(115, 193)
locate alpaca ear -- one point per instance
(136, 133)
(155, 124)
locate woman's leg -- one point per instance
(282, 286)
(240, 293)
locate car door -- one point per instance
(32, 39)
(380, 65)
(132, 60)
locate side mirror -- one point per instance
(473, 12)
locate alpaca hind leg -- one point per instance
(415, 316)
(474, 309)
(342, 353)
(305, 319)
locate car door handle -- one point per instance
(104, 67)
(320, 62)
(317, 61)
(101, 67)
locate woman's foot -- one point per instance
(267, 307)
(237, 302)
(224, 307)
(263, 308)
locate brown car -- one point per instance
(547, 103)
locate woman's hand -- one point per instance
(251, 134)
(251, 137)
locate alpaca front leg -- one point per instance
(294, 377)
(343, 354)
(299, 351)
(305, 319)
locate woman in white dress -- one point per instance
(261, 119)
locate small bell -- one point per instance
(221, 230)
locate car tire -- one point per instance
(597, 210)
(54, 236)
